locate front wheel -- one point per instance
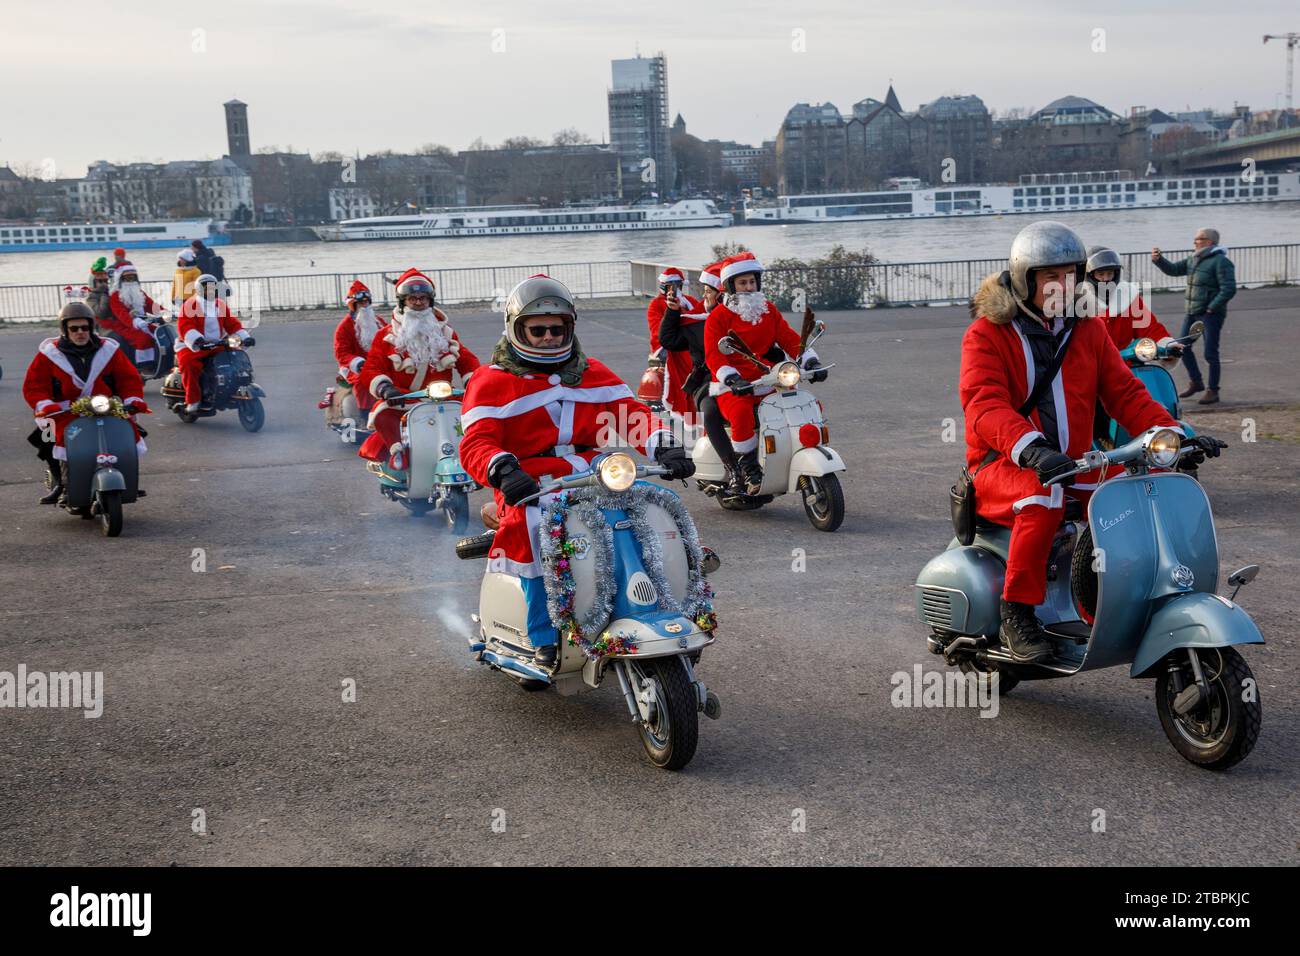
(252, 415)
(670, 736)
(823, 501)
(457, 510)
(110, 513)
(1219, 732)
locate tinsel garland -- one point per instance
(557, 551)
(81, 407)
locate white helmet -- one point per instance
(540, 295)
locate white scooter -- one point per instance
(793, 442)
(625, 579)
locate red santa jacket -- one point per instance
(691, 311)
(996, 376)
(771, 329)
(553, 429)
(132, 328)
(678, 365)
(51, 385)
(197, 321)
(1128, 317)
(386, 363)
(348, 350)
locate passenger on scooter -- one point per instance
(680, 336)
(746, 314)
(677, 364)
(204, 321)
(417, 348)
(1021, 318)
(1120, 305)
(75, 365)
(98, 296)
(132, 309)
(353, 338)
(544, 408)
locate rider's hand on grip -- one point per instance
(249, 342)
(674, 458)
(1046, 462)
(514, 483)
(738, 385)
(815, 377)
(389, 391)
(1205, 447)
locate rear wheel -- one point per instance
(823, 501)
(252, 415)
(1220, 731)
(672, 732)
(110, 513)
(1006, 680)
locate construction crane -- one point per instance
(1291, 40)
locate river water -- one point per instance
(915, 240)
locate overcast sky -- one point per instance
(145, 80)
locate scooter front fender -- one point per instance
(816, 461)
(652, 639)
(108, 479)
(1192, 620)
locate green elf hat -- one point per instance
(99, 265)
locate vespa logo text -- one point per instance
(1106, 524)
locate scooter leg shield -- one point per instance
(1192, 620)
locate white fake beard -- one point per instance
(421, 336)
(750, 306)
(132, 296)
(367, 326)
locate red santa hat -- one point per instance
(711, 275)
(358, 287)
(739, 264)
(411, 275)
(119, 252)
(671, 274)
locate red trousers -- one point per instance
(387, 433)
(191, 365)
(739, 412)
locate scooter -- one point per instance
(1145, 596)
(103, 464)
(343, 415)
(432, 476)
(793, 443)
(626, 582)
(164, 360)
(227, 382)
(1141, 356)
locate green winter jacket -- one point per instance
(1212, 280)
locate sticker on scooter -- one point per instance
(1150, 488)
(581, 546)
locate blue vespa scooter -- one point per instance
(1145, 595)
(432, 476)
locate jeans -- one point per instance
(1213, 328)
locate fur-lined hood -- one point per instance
(993, 300)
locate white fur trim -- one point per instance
(726, 372)
(749, 444)
(40, 406)
(667, 276)
(710, 280)
(1054, 500)
(192, 336)
(556, 393)
(1023, 442)
(378, 382)
(355, 365)
(740, 267)
(577, 463)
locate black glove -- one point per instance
(816, 377)
(201, 344)
(738, 385)
(673, 457)
(249, 342)
(1205, 447)
(1046, 461)
(514, 483)
(390, 391)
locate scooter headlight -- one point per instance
(439, 390)
(617, 472)
(1162, 447)
(1145, 349)
(99, 404)
(788, 375)
(234, 341)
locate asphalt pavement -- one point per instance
(264, 576)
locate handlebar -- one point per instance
(587, 478)
(1093, 459)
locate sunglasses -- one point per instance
(74, 329)
(541, 331)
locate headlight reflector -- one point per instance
(1162, 448)
(788, 375)
(1145, 349)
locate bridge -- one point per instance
(1274, 150)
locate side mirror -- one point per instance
(1197, 329)
(1244, 576)
(818, 331)
(726, 346)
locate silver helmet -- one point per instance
(1101, 257)
(1039, 245)
(540, 295)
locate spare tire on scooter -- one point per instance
(476, 546)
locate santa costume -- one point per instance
(998, 370)
(355, 333)
(414, 350)
(129, 305)
(677, 365)
(204, 319)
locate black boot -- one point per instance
(63, 484)
(751, 473)
(1021, 633)
(54, 482)
(735, 485)
(546, 655)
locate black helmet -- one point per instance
(75, 310)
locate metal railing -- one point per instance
(29, 303)
(956, 280)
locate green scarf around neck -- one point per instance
(570, 372)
